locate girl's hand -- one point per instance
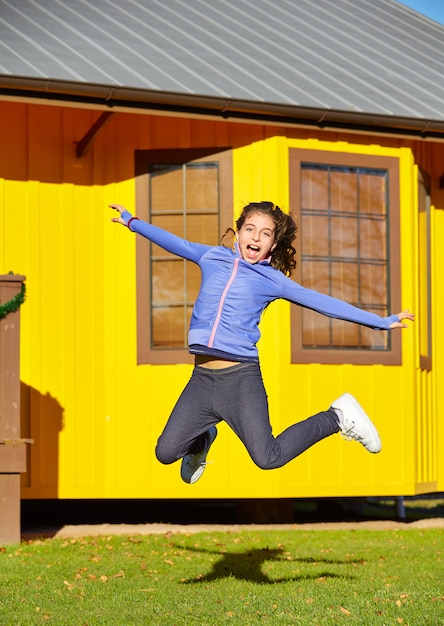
(120, 209)
(404, 315)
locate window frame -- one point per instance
(359, 356)
(424, 248)
(143, 160)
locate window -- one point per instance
(189, 193)
(424, 313)
(347, 209)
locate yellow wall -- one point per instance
(94, 414)
(438, 387)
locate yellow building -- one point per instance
(103, 329)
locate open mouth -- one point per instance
(252, 249)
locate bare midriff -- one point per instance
(213, 363)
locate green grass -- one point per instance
(256, 577)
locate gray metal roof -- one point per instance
(374, 58)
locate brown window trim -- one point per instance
(143, 160)
(393, 356)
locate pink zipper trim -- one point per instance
(221, 302)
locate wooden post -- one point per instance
(12, 448)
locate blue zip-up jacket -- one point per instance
(234, 293)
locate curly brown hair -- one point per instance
(283, 255)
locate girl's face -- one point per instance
(256, 237)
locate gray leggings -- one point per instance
(236, 395)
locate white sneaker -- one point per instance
(193, 465)
(355, 424)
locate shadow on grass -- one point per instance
(248, 566)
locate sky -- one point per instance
(432, 8)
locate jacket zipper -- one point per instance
(221, 302)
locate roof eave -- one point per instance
(130, 99)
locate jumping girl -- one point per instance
(226, 383)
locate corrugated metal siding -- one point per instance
(94, 414)
(371, 56)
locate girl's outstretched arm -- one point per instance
(339, 309)
(163, 238)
